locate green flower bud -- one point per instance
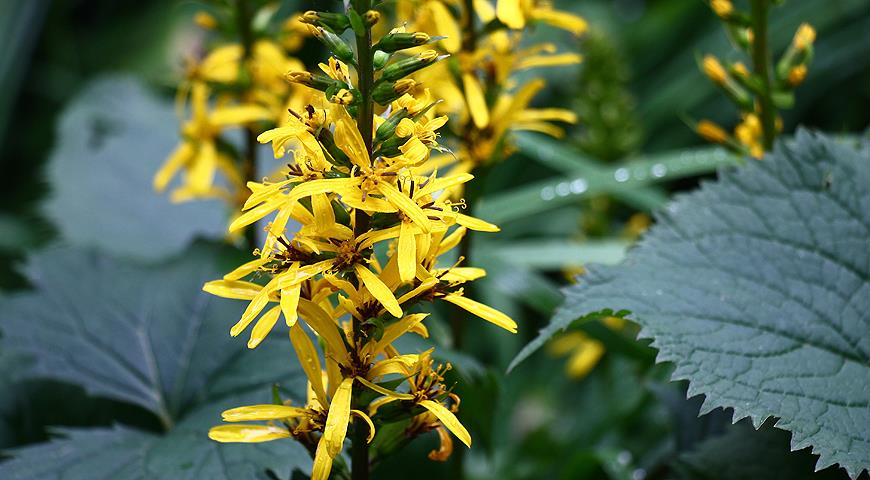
(316, 81)
(390, 147)
(380, 59)
(333, 42)
(385, 91)
(407, 66)
(387, 128)
(336, 22)
(399, 41)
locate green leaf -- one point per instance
(111, 141)
(623, 181)
(743, 453)
(758, 288)
(556, 254)
(149, 336)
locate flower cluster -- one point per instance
(760, 91)
(237, 84)
(476, 86)
(354, 244)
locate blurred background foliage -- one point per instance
(561, 204)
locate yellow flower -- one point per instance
(584, 352)
(197, 154)
(517, 13)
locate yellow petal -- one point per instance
(510, 13)
(237, 115)
(384, 391)
(235, 289)
(451, 241)
(337, 418)
(475, 223)
(325, 326)
(308, 359)
(246, 433)
(414, 151)
(201, 174)
(246, 269)
(424, 286)
(324, 216)
(483, 311)
(443, 183)
(584, 358)
(535, 61)
(349, 140)
(368, 420)
(463, 274)
(261, 412)
(396, 330)
(177, 159)
(407, 252)
(476, 101)
(290, 302)
(257, 213)
(258, 303)
(406, 205)
(564, 20)
(263, 326)
(322, 462)
(448, 420)
(378, 290)
(446, 26)
(260, 192)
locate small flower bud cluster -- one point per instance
(745, 88)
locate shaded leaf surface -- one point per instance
(743, 453)
(149, 336)
(110, 142)
(758, 288)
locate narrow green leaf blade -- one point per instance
(628, 181)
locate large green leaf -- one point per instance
(111, 141)
(149, 336)
(743, 453)
(758, 288)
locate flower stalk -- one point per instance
(761, 65)
(352, 192)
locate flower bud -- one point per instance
(797, 75)
(342, 97)
(711, 132)
(392, 42)
(336, 22)
(385, 92)
(714, 70)
(387, 129)
(380, 59)
(333, 42)
(371, 17)
(410, 65)
(315, 81)
(205, 20)
(722, 8)
(804, 36)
